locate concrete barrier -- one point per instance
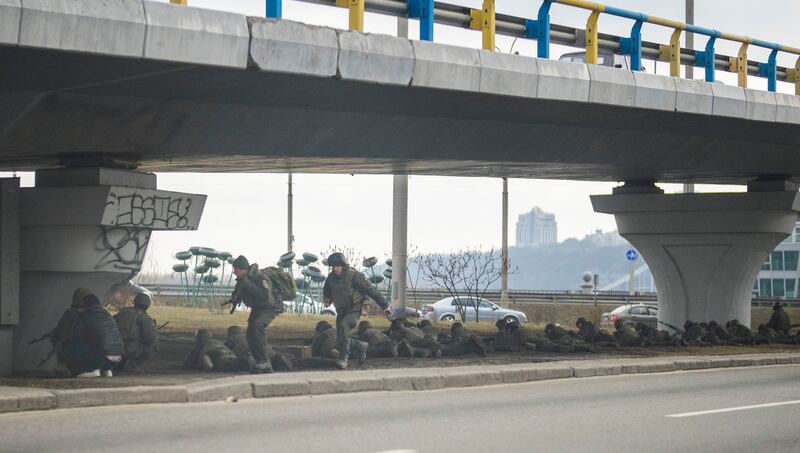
(446, 67)
(196, 35)
(694, 96)
(788, 108)
(275, 389)
(293, 47)
(510, 75)
(563, 81)
(729, 101)
(14, 399)
(10, 14)
(375, 58)
(120, 395)
(111, 27)
(761, 105)
(655, 91)
(219, 389)
(611, 86)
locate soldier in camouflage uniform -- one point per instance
(511, 337)
(592, 335)
(413, 342)
(464, 342)
(237, 342)
(325, 344)
(779, 321)
(380, 345)
(655, 337)
(626, 335)
(739, 333)
(209, 354)
(138, 332)
(347, 289)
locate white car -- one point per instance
(446, 310)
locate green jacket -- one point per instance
(779, 321)
(324, 343)
(136, 326)
(349, 291)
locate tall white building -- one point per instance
(779, 273)
(537, 228)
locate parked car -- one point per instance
(634, 314)
(446, 310)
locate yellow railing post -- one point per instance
(483, 20)
(797, 77)
(675, 53)
(179, 2)
(356, 8)
(739, 64)
(591, 38)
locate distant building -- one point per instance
(537, 228)
(610, 239)
(779, 273)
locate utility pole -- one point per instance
(689, 188)
(504, 252)
(400, 222)
(290, 234)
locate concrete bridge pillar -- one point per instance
(85, 227)
(704, 249)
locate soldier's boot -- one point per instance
(393, 350)
(262, 367)
(206, 364)
(343, 361)
(362, 352)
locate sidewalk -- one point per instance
(14, 399)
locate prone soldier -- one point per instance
(380, 345)
(209, 354)
(325, 344)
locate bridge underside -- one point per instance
(179, 117)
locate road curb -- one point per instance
(16, 399)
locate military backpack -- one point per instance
(282, 285)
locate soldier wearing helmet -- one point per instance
(138, 332)
(347, 289)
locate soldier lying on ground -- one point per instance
(415, 338)
(326, 345)
(138, 333)
(432, 333)
(464, 341)
(209, 354)
(655, 337)
(511, 337)
(626, 335)
(739, 333)
(380, 345)
(236, 341)
(592, 335)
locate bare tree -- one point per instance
(466, 275)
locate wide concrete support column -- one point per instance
(704, 250)
(85, 227)
(399, 240)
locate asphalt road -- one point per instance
(749, 409)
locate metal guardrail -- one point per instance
(428, 296)
(540, 29)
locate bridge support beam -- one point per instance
(84, 227)
(704, 249)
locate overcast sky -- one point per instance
(246, 213)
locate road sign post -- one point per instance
(632, 256)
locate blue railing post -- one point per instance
(770, 70)
(633, 46)
(274, 9)
(540, 30)
(422, 10)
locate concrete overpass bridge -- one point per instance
(95, 91)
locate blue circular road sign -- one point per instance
(631, 255)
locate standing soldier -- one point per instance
(138, 332)
(347, 289)
(254, 290)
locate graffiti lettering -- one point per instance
(149, 211)
(122, 248)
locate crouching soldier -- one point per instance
(138, 332)
(325, 345)
(380, 345)
(86, 338)
(237, 343)
(209, 354)
(780, 321)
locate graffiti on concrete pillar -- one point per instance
(122, 247)
(149, 210)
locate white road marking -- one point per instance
(733, 409)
